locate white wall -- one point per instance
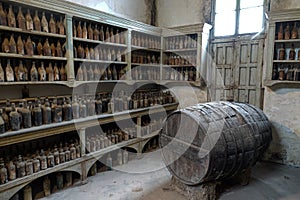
(132, 9)
(284, 4)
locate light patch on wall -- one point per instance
(103, 7)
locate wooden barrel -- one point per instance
(214, 141)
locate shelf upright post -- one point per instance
(69, 49)
(128, 55)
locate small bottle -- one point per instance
(63, 74)
(44, 23)
(96, 33)
(52, 24)
(47, 113)
(2, 74)
(67, 110)
(50, 160)
(29, 21)
(282, 53)
(36, 165)
(12, 174)
(14, 118)
(42, 72)
(67, 153)
(43, 160)
(73, 155)
(3, 16)
(98, 105)
(84, 31)
(21, 19)
(33, 73)
(50, 73)
(37, 116)
(3, 173)
(21, 172)
(29, 47)
(91, 107)
(287, 32)
(37, 21)
(87, 54)
(29, 167)
(56, 156)
(117, 37)
(11, 19)
(12, 45)
(46, 48)
(62, 156)
(90, 32)
(20, 46)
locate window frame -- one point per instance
(237, 20)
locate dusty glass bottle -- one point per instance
(46, 48)
(287, 32)
(56, 73)
(29, 167)
(59, 52)
(82, 109)
(294, 34)
(52, 24)
(12, 44)
(21, 19)
(2, 122)
(90, 32)
(44, 22)
(73, 155)
(11, 19)
(67, 110)
(37, 21)
(96, 33)
(14, 118)
(67, 153)
(29, 47)
(29, 21)
(26, 115)
(21, 172)
(53, 49)
(12, 173)
(33, 73)
(9, 72)
(37, 114)
(79, 30)
(56, 111)
(50, 73)
(62, 156)
(84, 31)
(46, 113)
(42, 72)
(98, 105)
(43, 160)
(50, 160)
(20, 46)
(3, 16)
(101, 34)
(3, 173)
(56, 156)
(107, 35)
(61, 26)
(63, 73)
(2, 74)
(75, 108)
(280, 32)
(36, 165)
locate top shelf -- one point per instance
(32, 32)
(182, 50)
(99, 42)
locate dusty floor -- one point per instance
(269, 181)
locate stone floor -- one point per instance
(148, 179)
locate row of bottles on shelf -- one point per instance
(28, 114)
(181, 42)
(145, 73)
(98, 53)
(285, 32)
(91, 32)
(15, 167)
(151, 125)
(17, 19)
(97, 72)
(144, 58)
(182, 59)
(286, 72)
(21, 72)
(180, 74)
(96, 142)
(146, 41)
(288, 53)
(30, 48)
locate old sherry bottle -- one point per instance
(3, 173)
(26, 115)
(37, 116)
(3, 16)
(11, 19)
(79, 30)
(59, 52)
(42, 72)
(5, 46)
(20, 46)
(37, 21)
(287, 32)
(44, 23)
(29, 167)
(67, 110)
(75, 108)
(96, 33)
(56, 73)
(50, 73)
(46, 113)
(292, 53)
(63, 73)
(29, 47)
(294, 31)
(84, 31)
(33, 73)
(12, 45)
(9, 72)
(90, 32)
(56, 111)
(21, 19)
(61, 26)
(12, 173)
(39, 49)
(107, 35)
(36, 165)
(82, 109)
(2, 122)
(52, 24)
(21, 72)
(29, 21)
(53, 49)
(102, 35)
(21, 172)
(2, 74)
(46, 48)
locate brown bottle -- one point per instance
(295, 31)
(49, 72)
(287, 32)
(33, 73)
(112, 35)
(12, 174)
(11, 19)
(3, 18)
(3, 173)
(12, 45)
(59, 52)
(52, 24)
(61, 26)
(92, 54)
(44, 23)
(79, 30)
(292, 53)
(29, 47)
(29, 21)
(280, 32)
(84, 71)
(53, 49)
(21, 19)
(84, 31)
(46, 48)
(37, 21)
(96, 33)
(107, 35)
(5, 46)
(39, 49)
(97, 74)
(14, 118)
(42, 72)
(80, 52)
(56, 73)
(79, 76)
(9, 72)
(47, 113)
(21, 72)
(281, 53)
(90, 32)
(102, 36)
(20, 46)
(87, 53)
(63, 73)
(2, 74)
(117, 37)
(97, 54)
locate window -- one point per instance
(234, 17)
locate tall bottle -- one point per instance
(12, 173)
(26, 116)
(29, 47)
(21, 72)
(63, 73)
(2, 74)
(37, 114)
(2, 122)
(53, 49)
(102, 35)
(56, 111)
(3, 173)
(79, 76)
(21, 19)
(84, 31)
(59, 52)
(90, 32)
(37, 21)
(287, 32)
(50, 73)
(79, 30)
(29, 21)
(42, 72)
(11, 19)
(12, 45)
(96, 33)
(47, 113)
(44, 22)
(75, 108)
(82, 109)
(3, 16)
(21, 172)
(61, 26)
(52, 24)
(67, 110)
(56, 73)
(294, 31)
(20, 46)
(46, 48)
(112, 35)
(107, 35)
(9, 72)
(33, 73)
(5, 46)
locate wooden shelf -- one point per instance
(286, 61)
(100, 61)
(33, 133)
(180, 50)
(146, 65)
(34, 57)
(189, 65)
(32, 32)
(145, 49)
(288, 41)
(288, 84)
(34, 83)
(100, 42)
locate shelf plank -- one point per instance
(287, 41)
(99, 42)
(99, 61)
(145, 49)
(146, 65)
(34, 57)
(32, 32)
(34, 83)
(180, 50)
(43, 131)
(188, 65)
(286, 61)
(272, 83)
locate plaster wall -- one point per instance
(284, 5)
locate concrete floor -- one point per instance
(137, 181)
